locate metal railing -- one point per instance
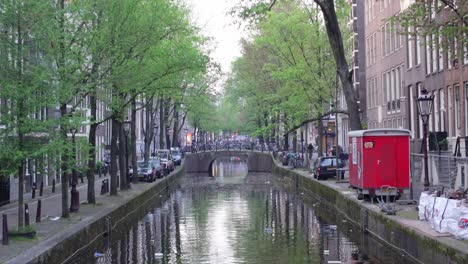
(444, 171)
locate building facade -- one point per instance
(400, 63)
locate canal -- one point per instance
(237, 217)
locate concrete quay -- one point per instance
(402, 232)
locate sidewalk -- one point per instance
(51, 232)
(51, 202)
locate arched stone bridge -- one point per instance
(202, 161)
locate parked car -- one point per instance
(176, 156)
(158, 167)
(325, 167)
(145, 171)
(166, 159)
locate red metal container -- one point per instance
(379, 161)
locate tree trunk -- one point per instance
(175, 133)
(113, 158)
(336, 43)
(65, 158)
(124, 185)
(320, 138)
(162, 129)
(92, 139)
(133, 140)
(167, 124)
(149, 132)
(92, 148)
(20, 195)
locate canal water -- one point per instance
(237, 217)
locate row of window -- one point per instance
(372, 96)
(370, 8)
(399, 122)
(371, 51)
(392, 84)
(448, 106)
(392, 39)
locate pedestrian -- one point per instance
(310, 148)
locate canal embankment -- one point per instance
(59, 240)
(401, 232)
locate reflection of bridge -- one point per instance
(202, 161)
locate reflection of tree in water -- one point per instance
(262, 224)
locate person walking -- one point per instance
(310, 148)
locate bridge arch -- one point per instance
(203, 161)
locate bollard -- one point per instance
(5, 229)
(103, 185)
(38, 212)
(34, 190)
(53, 186)
(81, 178)
(41, 188)
(26, 215)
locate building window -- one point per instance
(388, 32)
(449, 52)
(428, 55)
(410, 39)
(418, 50)
(392, 36)
(441, 54)
(420, 125)
(466, 108)
(457, 109)
(450, 111)
(397, 87)
(388, 88)
(465, 48)
(412, 110)
(393, 85)
(435, 53)
(436, 111)
(442, 109)
(374, 46)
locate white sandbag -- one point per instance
(425, 206)
(460, 228)
(439, 208)
(446, 214)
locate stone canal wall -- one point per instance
(388, 229)
(64, 245)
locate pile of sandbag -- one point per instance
(444, 215)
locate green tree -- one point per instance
(25, 90)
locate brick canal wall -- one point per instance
(60, 248)
(404, 239)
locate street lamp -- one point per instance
(126, 129)
(75, 195)
(425, 102)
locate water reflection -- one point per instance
(235, 217)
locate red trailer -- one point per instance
(379, 161)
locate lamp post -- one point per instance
(425, 102)
(75, 195)
(126, 128)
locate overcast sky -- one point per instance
(213, 18)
